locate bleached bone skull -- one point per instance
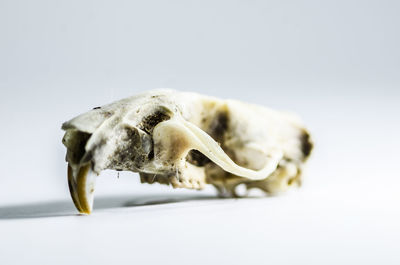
(186, 140)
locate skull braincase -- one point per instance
(188, 140)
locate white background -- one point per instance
(336, 63)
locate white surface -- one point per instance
(335, 63)
(309, 227)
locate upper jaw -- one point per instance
(125, 148)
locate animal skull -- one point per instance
(186, 140)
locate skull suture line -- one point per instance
(186, 140)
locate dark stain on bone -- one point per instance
(149, 122)
(218, 131)
(150, 156)
(219, 126)
(76, 148)
(198, 159)
(306, 144)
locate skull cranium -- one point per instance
(186, 140)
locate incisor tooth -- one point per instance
(81, 181)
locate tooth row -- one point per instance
(177, 181)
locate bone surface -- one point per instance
(186, 140)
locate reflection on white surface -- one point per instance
(307, 226)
